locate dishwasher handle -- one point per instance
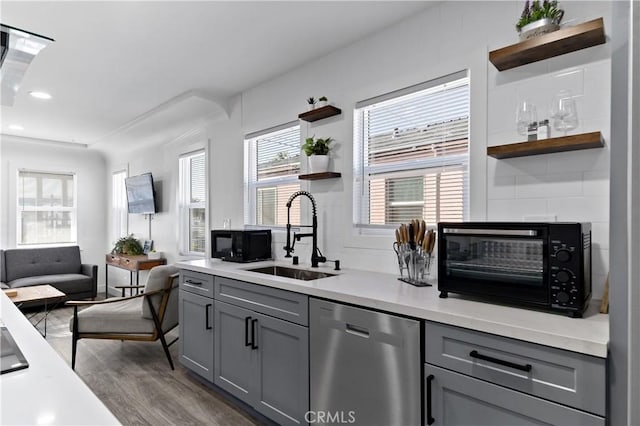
(357, 330)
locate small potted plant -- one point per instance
(322, 101)
(311, 103)
(539, 18)
(317, 150)
(127, 245)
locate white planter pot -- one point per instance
(321, 104)
(537, 28)
(318, 163)
(311, 107)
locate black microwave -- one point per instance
(242, 245)
(544, 265)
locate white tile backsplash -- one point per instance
(549, 185)
(580, 209)
(515, 210)
(502, 187)
(596, 183)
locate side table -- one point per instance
(131, 264)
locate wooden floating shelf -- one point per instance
(320, 113)
(546, 46)
(546, 146)
(318, 176)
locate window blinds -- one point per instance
(411, 154)
(271, 176)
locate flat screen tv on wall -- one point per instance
(141, 196)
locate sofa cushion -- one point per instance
(66, 283)
(3, 285)
(21, 263)
(118, 317)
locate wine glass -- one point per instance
(564, 112)
(525, 116)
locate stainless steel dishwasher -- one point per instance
(365, 366)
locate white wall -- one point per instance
(89, 167)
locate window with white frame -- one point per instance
(411, 150)
(193, 203)
(272, 165)
(119, 212)
(46, 212)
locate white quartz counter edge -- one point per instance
(588, 335)
(48, 391)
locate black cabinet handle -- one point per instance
(430, 419)
(206, 316)
(193, 282)
(254, 322)
(247, 320)
(475, 354)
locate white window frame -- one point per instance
(252, 185)
(185, 205)
(72, 209)
(119, 206)
(360, 193)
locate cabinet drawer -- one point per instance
(196, 282)
(277, 303)
(569, 378)
(454, 399)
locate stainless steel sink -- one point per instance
(297, 274)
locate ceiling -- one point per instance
(123, 72)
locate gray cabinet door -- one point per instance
(455, 399)
(234, 361)
(196, 333)
(282, 385)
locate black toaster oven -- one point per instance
(546, 265)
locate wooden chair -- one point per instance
(147, 316)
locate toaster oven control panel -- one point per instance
(563, 264)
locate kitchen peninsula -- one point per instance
(48, 391)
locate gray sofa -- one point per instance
(59, 267)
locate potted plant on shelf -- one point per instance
(539, 18)
(317, 150)
(322, 101)
(311, 101)
(127, 245)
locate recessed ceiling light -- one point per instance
(16, 127)
(40, 95)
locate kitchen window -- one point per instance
(119, 211)
(411, 154)
(46, 211)
(272, 165)
(193, 203)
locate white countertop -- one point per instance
(48, 391)
(588, 335)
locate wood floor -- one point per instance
(135, 382)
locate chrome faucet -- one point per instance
(316, 255)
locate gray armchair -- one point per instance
(147, 316)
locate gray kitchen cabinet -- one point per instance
(234, 360)
(261, 359)
(196, 331)
(456, 399)
(483, 379)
